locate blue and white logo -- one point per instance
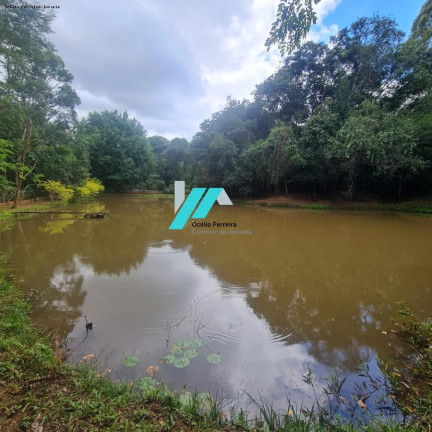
(192, 201)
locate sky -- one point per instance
(172, 63)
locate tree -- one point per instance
(378, 139)
(304, 81)
(120, 154)
(317, 138)
(36, 88)
(176, 158)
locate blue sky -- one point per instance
(404, 12)
(173, 63)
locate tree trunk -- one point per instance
(19, 169)
(18, 183)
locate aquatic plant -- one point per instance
(131, 360)
(214, 358)
(182, 352)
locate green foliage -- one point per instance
(91, 188)
(293, 21)
(383, 141)
(130, 361)
(31, 67)
(182, 352)
(347, 119)
(57, 191)
(120, 154)
(154, 182)
(214, 358)
(411, 377)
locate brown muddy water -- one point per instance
(302, 289)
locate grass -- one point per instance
(40, 392)
(8, 212)
(411, 377)
(415, 207)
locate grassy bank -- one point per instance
(40, 392)
(423, 207)
(143, 195)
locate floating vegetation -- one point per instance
(170, 359)
(185, 350)
(181, 362)
(182, 352)
(130, 361)
(190, 354)
(214, 358)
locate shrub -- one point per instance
(57, 191)
(92, 187)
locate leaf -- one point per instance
(196, 343)
(190, 354)
(151, 370)
(361, 404)
(185, 399)
(169, 359)
(181, 362)
(183, 344)
(89, 357)
(146, 383)
(214, 358)
(130, 361)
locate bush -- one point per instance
(92, 187)
(57, 191)
(153, 182)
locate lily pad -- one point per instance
(181, 362)
(183, 344)
(170, 358)
(214, 358)
(196, 343)
(130, 361)
(190, 354)
(175, 349)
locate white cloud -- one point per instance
(321, 32)
(169, 63)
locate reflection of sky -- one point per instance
(135, 313)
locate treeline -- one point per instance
(350, 118)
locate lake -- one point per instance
(285, 291)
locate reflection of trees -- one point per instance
(62, 299)
(45, 252)
(329, 281)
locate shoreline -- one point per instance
(421, 206)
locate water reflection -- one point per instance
(305, 287)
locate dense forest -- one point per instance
(348, 119)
